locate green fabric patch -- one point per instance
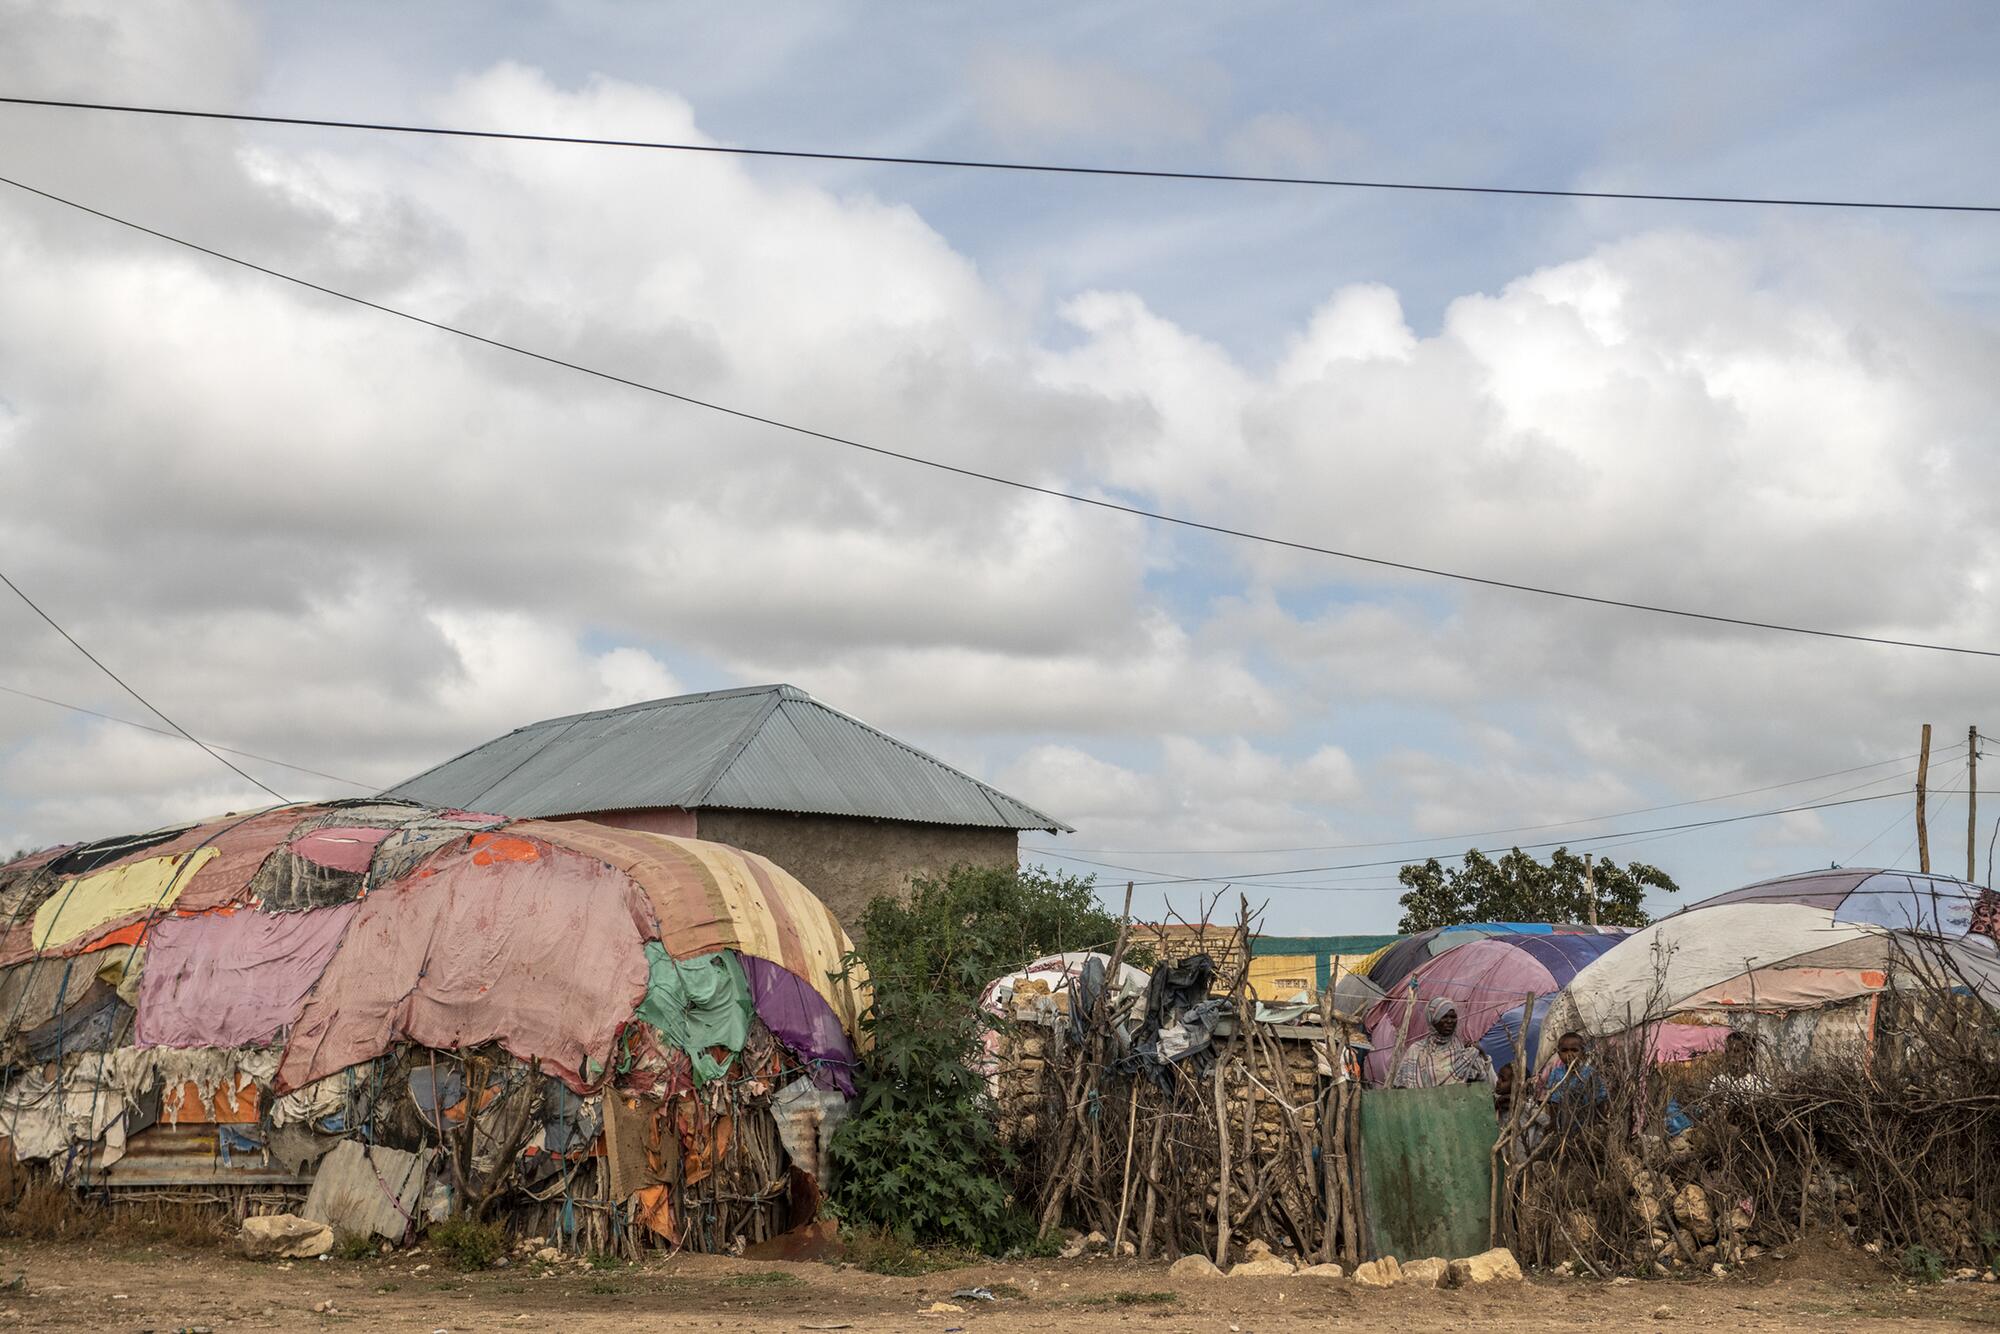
(697, 1004)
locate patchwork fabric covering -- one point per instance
(305, 942)
(1795, 943)
(1390, 966)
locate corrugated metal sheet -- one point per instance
(772, 748)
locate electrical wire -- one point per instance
(983, 164)
(1573, 839)
(161, 731)
(1516, 829)
(1263, 877)
(98, 663)
(1095, 502)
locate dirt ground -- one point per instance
(165, 1289)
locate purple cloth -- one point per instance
(799, 1017)
(232, 979)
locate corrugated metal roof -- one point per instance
(770, 748)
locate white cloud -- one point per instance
(319, 534)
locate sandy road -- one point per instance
(103, 1286)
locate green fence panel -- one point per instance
(1427, 1169)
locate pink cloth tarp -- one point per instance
(232, 979)
(543, 951)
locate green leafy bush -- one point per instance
(1923, 1264)
(467, 1244)
(920, 1156)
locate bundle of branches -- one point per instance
(1184, 1158)
(1892, 1140)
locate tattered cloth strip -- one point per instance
(545, 956)
(289, 883)
(217, 1074)
(44, 1116)
(698, 1004)
(800, 1018)
(234, 978)
(709, 896)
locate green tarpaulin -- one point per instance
(1427, 1169)
(697, 1004)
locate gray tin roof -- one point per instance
(770, 748)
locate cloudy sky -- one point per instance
(329, 538)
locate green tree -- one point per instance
(921, 1155)
(1518, 888)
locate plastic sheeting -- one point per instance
(232, 979)
(545, 956)
(799, 1017)
(698, 1004)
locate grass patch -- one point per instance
(880, 1251)
(387, 1287)
(602, 1260)
(1130, 1299)
(603, 1287)
(467, 1244)
(1007, 1292)
(768, 1278)
(353, 1246)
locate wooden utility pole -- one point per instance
(1971, 804)
(1589, 888)
(1923, 777)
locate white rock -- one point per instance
(1270, 1267)
(1193, 1266)
(1383, 1273)
(1322, 1271)
(284, 1236)
(1495, 1266)
(1430, 1272)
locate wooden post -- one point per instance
(1923, 780)
(1971, 804)
(1590, 886)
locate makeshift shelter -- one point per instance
(1388, 966)
(467, 994)
(1485, 976)
(1810, 953)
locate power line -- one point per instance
(95, 661)
(1670, 830)
(983, 164)
(1516, 829)
(1263, 876)
(161, 731)
(1096, 502)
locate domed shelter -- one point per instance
(1389, 966)
(297, 976)
(1798, 950)
(1484, 975)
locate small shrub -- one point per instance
(881, 1251)
(353, 1246)
(467, 1244)
(1923, 1264)
(604, 1260)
